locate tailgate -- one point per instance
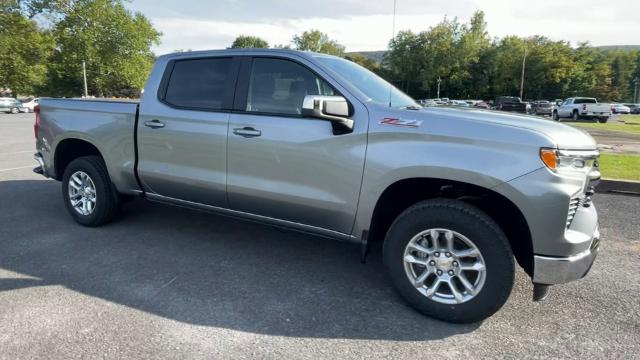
(597, 109)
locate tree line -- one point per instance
(467, 63)
(43, 44)
(470, 64)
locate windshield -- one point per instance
(374, 87)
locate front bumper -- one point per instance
(558, 270)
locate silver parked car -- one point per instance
(318, 144)
(10, 105)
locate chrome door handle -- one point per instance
(247, 132)
(154, 124)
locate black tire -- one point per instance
(107, 202)
(476, 226)
(575, 116)
(555, 116)
(15, 110)
(603, 120)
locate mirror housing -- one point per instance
(331, 108)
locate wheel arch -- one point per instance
(403, 193)
(70, 149)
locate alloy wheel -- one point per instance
(444, 266)
(82, 193)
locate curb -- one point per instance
(619, 186)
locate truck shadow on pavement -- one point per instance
(205, 269)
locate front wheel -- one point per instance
(15, 110)
(603, 120)
(449, 260)
(87, 191)
(555, 116)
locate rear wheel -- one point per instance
(575, 116)
(15, 110)
(88, 193)
(603, 120)
(449, 260)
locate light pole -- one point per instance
(636, 82)
(84, 76)
(439, 81)
(524, 62)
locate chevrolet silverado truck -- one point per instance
(582, 108)
(316, 143)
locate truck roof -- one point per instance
(242, 51)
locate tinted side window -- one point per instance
(279, 86)
(585, 101)
(198, 83)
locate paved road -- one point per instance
(166, 282)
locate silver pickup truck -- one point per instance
(318, 144)
(578, 108)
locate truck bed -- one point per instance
(108, 124)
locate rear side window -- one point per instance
(585, 101)
(199, 83)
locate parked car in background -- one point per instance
(459, 103)
(28, 104)
(10, 105)
(635, 108)
(542, 107)
(577, 108)
(429, 103)
(620, 109)
(482, 105)
(510, 103)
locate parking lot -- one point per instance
(174, 283)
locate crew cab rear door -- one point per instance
(285, 166)
(182, 131)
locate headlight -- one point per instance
(570, 161)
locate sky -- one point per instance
(366, 25)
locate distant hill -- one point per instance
(619, 47)
(373, 55)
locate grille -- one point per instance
(573, 208)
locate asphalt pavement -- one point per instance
(165, 282)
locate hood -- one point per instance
(564, 136)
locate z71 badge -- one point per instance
(401, 122)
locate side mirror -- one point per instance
(330, 108)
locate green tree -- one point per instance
(405, 60)
(114, 42)
(245, 41)
(623, 66)
(23, 51)
(364, 61)
(314, 40)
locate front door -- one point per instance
(285, 166)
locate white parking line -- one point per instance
(17, 168)
(18, 152)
